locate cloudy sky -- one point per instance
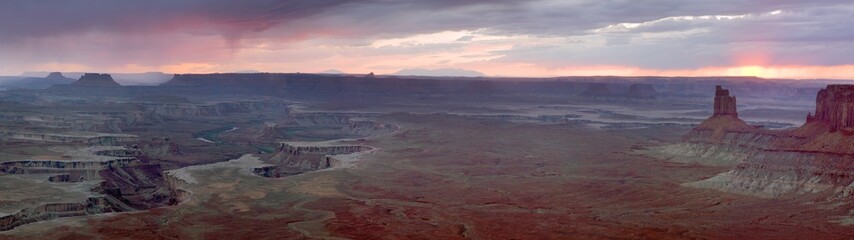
(768, 38)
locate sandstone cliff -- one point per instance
(834, 106)
(724, 124)
(291, 159)
(122, 182)
(815, 158)
(724, 103)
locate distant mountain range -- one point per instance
(441, 72)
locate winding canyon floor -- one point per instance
(445, 176)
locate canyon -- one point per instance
(367, 156)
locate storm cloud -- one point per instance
(267, 35)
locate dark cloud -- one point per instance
(111, 32)
(22, 19)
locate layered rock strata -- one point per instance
(296, 158)
(816, 158)
(834, 106)
(122, 183)
(48, 211)
(82, 138)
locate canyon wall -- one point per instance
(48, 211)
(835, 107)
(84, 138)
(121, 183)
(291, 159)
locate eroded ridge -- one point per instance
(108, 179)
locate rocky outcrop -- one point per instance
(814, 159)
(292, 159)
(725, 105)
(724, 126)
(48, 211)
(126, 184)
(84, 138)
(723, 139)
(835, 107)
(77, 170)
(123, 187)
(137, 187)
(96, 80)
(775, 174)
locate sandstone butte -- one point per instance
(828, 130)
(96, 80)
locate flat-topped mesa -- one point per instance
(56, 76)
(96, 80)
(724, 103)
(834, 106)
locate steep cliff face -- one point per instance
(815, 158)
(137, 187)
(91, 139)
(96, 80)
(121, 182)
(724, 103)
(158, 148)
(82, 170)
(834, 106)
(293, 159)
(723, 126)
(93, 205)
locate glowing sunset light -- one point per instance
(756, 71)
(800, 40)
(788, 72)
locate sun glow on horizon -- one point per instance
(755, 71)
